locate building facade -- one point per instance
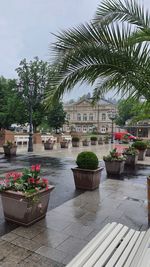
(83, 117)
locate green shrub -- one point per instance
(75, 139)
(140, 145)
(93, 138)
(87, 160)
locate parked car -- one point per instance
(123, 135)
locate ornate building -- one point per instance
(83, 117)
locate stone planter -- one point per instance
(75, 143)
(114, 167)
(147, 152)
(142, 154)
(93, 142)
(106, 141)
(10, 151)
(85, 143)
(86, 179)
(64, 144)
(25, 210)
(48, 146)
(100, 142)
(131, 159)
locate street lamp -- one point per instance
(27, 94)
(112, 114)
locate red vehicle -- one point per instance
(124, 135)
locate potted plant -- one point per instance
(106, 139)
(49, 144)
(125, 139)
(114, 162)
(10, 148)
(64, 143)
(100, 141)
(87, 174)
(93, 140)
(131, 156)
(75, 141)
(141, 147)
(148, 149)
(25, 196)
(85, 142)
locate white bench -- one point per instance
(115, 246)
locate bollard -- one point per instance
(148, 198)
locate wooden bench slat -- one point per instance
(87, 251)
(101, 249)
(120, 249)
(110, 249)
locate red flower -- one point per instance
(33, 168)
(31, 180)
(37, 167)
(45, 181)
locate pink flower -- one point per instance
(31, 180)
(33, 168)
(37, 167)
(45, 181)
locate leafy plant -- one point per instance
(9, 144)
(75, 139)
(87, 160)
(114, 155)
(140, 145)
(93, 138)
(130, 151)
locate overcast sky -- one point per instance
(26, 27)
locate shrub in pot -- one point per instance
(114, 162)
(75, 141)
(49, 144)
(25, 196)
(148, 149)
(106, 139)
(10, 148)
(87, 174)
(85, 142)
(100, 141)
(141, 147)
(131, 156)
(64, 143)
(93, 140)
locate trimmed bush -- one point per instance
(87, 160)
(93, 138)
(75, 139)
(140, 145)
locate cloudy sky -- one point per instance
(26, 27)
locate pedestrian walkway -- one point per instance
(55, 240)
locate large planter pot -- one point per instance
(114, 167)
(10, 151)
(64, 144)
(87, 179)
(48, 146)
(93, 142)
(75, 144)
(100, 142)
(85, 143)
(25, 210)
(131, 160)
(142, 154)
(147, 152)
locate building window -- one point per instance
(103, 116)
(84, 117)
(91, 117)
(68, 117)
(78, 117)
(84, 128)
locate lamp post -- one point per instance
(112, 116)
(27, 94)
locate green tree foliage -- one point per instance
(106, 53)
(56, 116)
(37, 72)
(127, 110)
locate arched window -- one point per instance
(103, 116)
(91, 116)
(84, 117)
(78, 117)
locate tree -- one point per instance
(37, 72)
(106, 53)
(127, 110)
(56, 116)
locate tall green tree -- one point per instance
(36, 72)
(128, 109)
(111, 52)
(56, 116)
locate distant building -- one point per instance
(139, 129)
(83, 117)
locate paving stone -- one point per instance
(28, 232)
(9, 237)
(26, 243)
(52, 253)
(72, 245)
(78, 230)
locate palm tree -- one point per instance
(111, 52)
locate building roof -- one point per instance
(102, 101)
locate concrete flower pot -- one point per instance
(87, 179)
(147, 152)
(142, 154)
(85, 143)
(25, 210)
(48, 146)
(10, 151)
(100, 142)
(64, 144)
(131, 159)
(75, 143)
(114, 167)
(93, 142)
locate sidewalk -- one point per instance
(55, 240)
